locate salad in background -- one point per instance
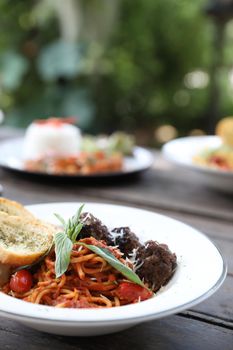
(116, 142)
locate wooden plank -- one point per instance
(219, 305)
(152, 192)
(170, 194)
(211, 226)
(174, 332)
(161, 191)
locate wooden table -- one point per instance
(164, 189)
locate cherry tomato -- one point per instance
(131, 292)
(21, 281)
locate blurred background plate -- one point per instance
(11, 159)
(182, 150)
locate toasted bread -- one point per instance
(23, 240)
(13, 208)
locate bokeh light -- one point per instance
(165, 133)
(196, 80)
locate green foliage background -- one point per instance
(125, 73)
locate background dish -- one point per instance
(181, 151)
(11, 159)
(193, 281)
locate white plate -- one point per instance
(181, 151)
(193, 281)
(11, 159)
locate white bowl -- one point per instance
(193, 281)
(182, 150)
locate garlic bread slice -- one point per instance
(14, 208)
(23, 240)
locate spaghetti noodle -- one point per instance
(89, 282)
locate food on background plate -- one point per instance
(119, 142)
(56, 146)
(219, 157)
(84, 163)
(52, 137)
(89, 266)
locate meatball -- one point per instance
(94, 227)
(156, 264)
(125, 239)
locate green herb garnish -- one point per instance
(64, 241)
(114, 262)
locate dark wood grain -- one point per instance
(167, 190)
(150, 190)
(171, 333)
(219, 305)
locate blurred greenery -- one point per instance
(122, 64)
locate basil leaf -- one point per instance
(63, 248)
(76, 231)
(114, 262)
(74, 226)
(62, 221)
(64, 241)
(76, 218)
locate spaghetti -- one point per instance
(89, 282)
